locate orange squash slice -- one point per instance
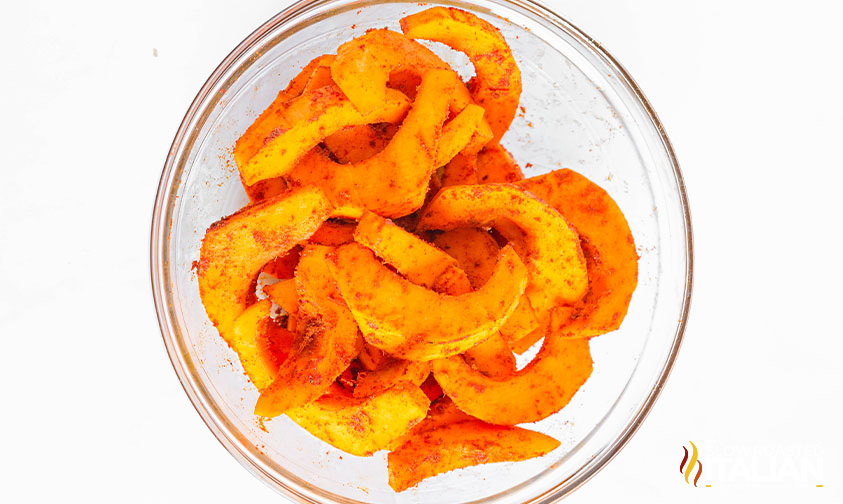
(608, 247)
(549, 246)
(363, 426)
(236, 248)
(415, 323)
(497, 84)
(327, 339)
(460, 445)
(542, 388)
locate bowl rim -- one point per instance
(160, 235)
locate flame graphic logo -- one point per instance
(687, 470)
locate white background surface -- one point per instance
(749, 92)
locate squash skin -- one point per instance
(609, 249)
(459, 445)
(236, 248)
(550, 247)
(326, 341)
(497, 84)
(363, 426)
(415, 323)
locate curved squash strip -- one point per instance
(420, 262)
(283, 293)
(370, 383)
(549, 246)
(260, 343)
(608, 247)
(363, 426)
(476, 253)
(495, 164)
(542, 388)
(356, 143)
(311, 118)
(497, 84)
(415, 323)
(333, 233)
(461, 445)
(461, 170)
(365, 66)
(273, 117)
(392, 183)
(424, 264)
(237, 247)
(326, 342)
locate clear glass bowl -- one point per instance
(581, 110)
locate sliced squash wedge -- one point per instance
(273, 117)
(420, 262)
(415, 323)
(460, 445)
(476, 253)
(608, 246)
(497, 84)
(236, 248)
(312, 117)
(363, 426)
(393, 182)
(542, 388)
(327, 339)
(549, 246)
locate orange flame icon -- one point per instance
(694, 460)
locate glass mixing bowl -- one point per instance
(581, 110)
